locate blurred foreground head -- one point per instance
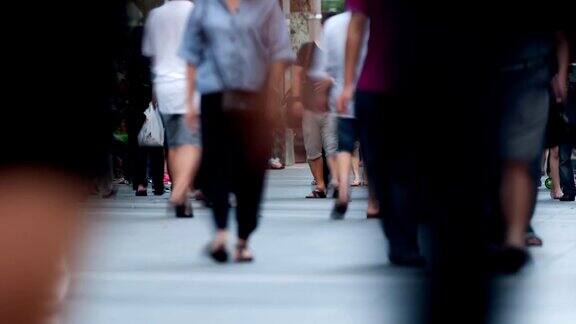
(61, 76)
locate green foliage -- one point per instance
(332, 5)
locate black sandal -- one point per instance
(317, 194)
(239, 257)
(372, 216)
(184, 211)
(219, 255)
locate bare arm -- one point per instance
(192, 111)
(275, 75)
(563, 57)
(353, 44)
(356, 30)
(273, 93)
(297, 81)
(296, 91)
(563, 53)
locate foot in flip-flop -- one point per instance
(533, 240)
(556, 194)
(356, 183)
(317, 194)
(243, 254)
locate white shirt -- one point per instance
(329, 60)
(162, 39)
(163, 35)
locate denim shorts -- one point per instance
(348, 134)
(525, 105)
(177, 133)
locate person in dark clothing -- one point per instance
(380, 115)
(452, 79)
(568, 143)
(553, 134)
(139, 96)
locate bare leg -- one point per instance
(317, 168)
(373, 209)
(516, 196)
(373, 206)
(220, 239)
(243, 252)
(555, 173)
(184, 163)
(333, 166)
(356, 167)
(343, 163)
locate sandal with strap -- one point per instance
(219, 255)
(317, 194)
(240, 258)
(184, 210)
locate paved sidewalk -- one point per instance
(143, 266)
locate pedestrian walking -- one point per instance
(389, 158)
(318, 125)
(236, 51)
(143, 160)
(568, 142)
(329, 66)
(163, 36)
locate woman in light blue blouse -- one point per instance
(236, 50)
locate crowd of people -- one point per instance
(406, 90)
(215, 72)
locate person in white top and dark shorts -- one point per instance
(329, 65)
(162, 39)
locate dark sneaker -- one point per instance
(339, 211)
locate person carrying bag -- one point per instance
(152, 131)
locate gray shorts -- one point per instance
(525, 104)
(319, 130)
(177, 133)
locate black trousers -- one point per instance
(236, 148)
(138, 157)
(154, 155)
(566, 170)
(391, 160)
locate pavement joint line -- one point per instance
(211, 278)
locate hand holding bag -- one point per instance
(152, 132)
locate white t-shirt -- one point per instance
(329, 60)
(163, 34)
